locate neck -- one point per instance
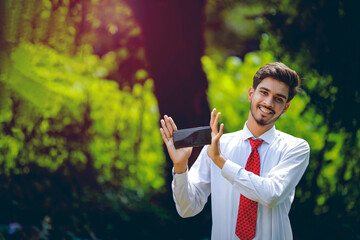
(256, 129)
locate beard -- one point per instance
(260, 120)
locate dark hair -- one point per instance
(280, 72)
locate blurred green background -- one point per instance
(84, 82)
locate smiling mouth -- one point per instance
(266, 110)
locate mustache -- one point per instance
(263, 106)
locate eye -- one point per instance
(263, 93)
(280, 100)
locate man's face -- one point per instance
(268, 101)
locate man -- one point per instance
(252, 173)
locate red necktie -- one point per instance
(246, 220)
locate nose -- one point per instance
(269, 102)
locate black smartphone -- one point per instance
(192, 137)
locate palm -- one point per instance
(178, 155)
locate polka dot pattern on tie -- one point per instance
(246, 221)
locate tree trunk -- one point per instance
(174, 44)
(173, 39)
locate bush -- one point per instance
(72, 144)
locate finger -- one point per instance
(218, 136)
(166, 131)
(173, 124)
(164, 138)
(221, 131)
(216, 122)
(212, 117)
(168, 125)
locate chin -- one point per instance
(262, 122)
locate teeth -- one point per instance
(264, 110)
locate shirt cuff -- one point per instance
(230, 170)
(180, 178)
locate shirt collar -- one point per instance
(267, 136)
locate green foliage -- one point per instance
(228, 87)
(105, 27)
(318, 40)
(233, 27)
(56, 109)
(76, 148)
(229, 84)
(88, 154)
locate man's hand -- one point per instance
(178, 156)
(213, 150)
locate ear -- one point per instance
(286, 107)
(250, 93)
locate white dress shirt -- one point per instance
(283, 160)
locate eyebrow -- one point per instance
(277, 94)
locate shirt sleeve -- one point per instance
(192, 188)
(272, 189)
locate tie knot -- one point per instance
(255, 143)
